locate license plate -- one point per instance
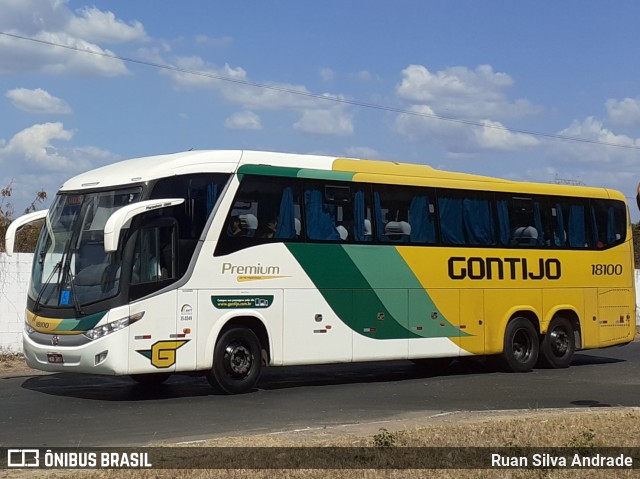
(55, 358)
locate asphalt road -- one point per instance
(72, 410)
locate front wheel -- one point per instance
(558, 345)
(521, 346)
(236, 361)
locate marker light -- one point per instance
(113, 326)
(28, 329)
(101, 357)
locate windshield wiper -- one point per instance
(57, 267)
(76, 303)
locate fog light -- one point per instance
(101, 357)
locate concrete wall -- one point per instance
(14, 281)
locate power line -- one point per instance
(316, 96)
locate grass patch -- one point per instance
(10, 361)
(567, 428)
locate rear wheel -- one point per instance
(521, 346)
(558, 345)
(236, 361)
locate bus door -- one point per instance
(155, 342)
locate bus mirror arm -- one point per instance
(119, 218)
(10, 235)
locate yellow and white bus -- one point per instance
(223, 262)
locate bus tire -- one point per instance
(237, 361)
(521, 346)
(558, 345)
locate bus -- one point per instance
(225, 262)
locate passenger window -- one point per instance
(521, 221)
(265, 209)
(404, 215)
(609, 219)
(571, 225)
(466, 218)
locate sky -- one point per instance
(534, 90)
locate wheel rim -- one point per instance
(559, 342)
(522, 346)
(238, 360)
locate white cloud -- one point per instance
(98, 26)
(33, 147)
(624, 113)
(53, 22)
(245, 120)
(495, 136)
(235, 86)
(462, 93)
(593, 130)
(458, 137)
(37, 149)
(38, 101)
(233, 83)
(325, 122)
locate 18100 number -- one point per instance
(606, 269)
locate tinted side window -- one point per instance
(404, 214)
(523, 221)
(266, 209)
(609, 219)
(466, 218)
(571, 223)
(201, 193)
(337, 211)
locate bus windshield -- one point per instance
(71, 267)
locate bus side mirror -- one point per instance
(121, 217)
(10, 235)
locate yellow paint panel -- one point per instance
(589, 323)
(500, 305)
(45, 325)
(472, 321)
(388, 172)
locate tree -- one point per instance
(635, 229)
(26, 236)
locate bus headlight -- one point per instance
(113, 326)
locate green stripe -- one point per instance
(372, 290)
(265, 170)
(326, 175)
(387, 273)
(82, 324)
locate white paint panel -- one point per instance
(312, 331)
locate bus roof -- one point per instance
(140, 170)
